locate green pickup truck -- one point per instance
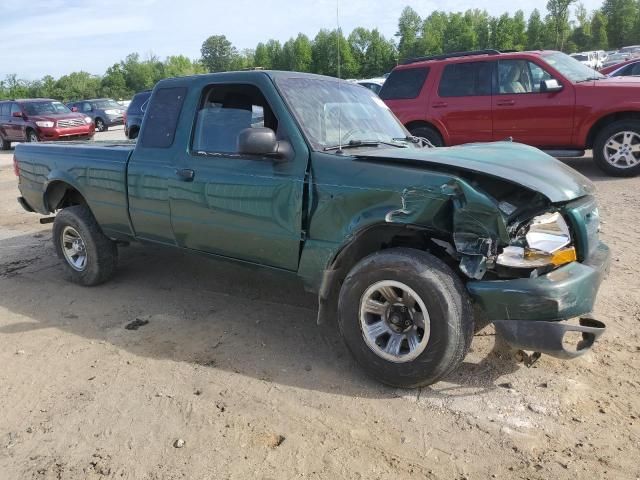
(409, 247)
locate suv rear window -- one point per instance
(138, 100)
(466, 80)
(404, 84)
(162, 118)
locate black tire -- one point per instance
(101, 126)
(101, 252)
(429, 133)
(600, 147)
(447, 303)
(32, 136)
(133, 133)
(5, 144)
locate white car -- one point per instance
(590, 59)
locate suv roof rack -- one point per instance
(489, 51)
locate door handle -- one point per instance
(505, 103)
(440, 105)
(185, 174)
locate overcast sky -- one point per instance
(56, 37)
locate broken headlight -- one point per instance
(545, 241)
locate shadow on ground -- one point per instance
(211, 313)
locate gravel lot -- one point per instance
(231, 377)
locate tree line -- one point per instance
(565, 25)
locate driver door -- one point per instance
(522, 112)
(246, 207)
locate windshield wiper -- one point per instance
(363, 143)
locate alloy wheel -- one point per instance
(622, 149)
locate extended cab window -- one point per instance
(162, 118)
(227, 110)
(466, 80)
(520, 76)
(404, 84)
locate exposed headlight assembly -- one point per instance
(548, 243)
(45, 123)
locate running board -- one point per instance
(565, 153)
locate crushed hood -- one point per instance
(517, 163)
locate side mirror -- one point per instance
(550, 85)
(257, 141)
(74, 109)
(17, 114)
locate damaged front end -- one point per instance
(531, 264)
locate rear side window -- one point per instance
(162, 117)
(466, 80)
(404, 84)
(4, 109)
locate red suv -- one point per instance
(543, 98)
(40, 119)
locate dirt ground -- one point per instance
(232, 368)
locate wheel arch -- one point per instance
(364, 242)
(607, 120)
(423, 123)
(59, 194)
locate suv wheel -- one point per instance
(429, 133)
(4, 144)
(405, 316)
(32, 136)
(616, 149)
(100, 125)
(89, 256)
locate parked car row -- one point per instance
(33, 120)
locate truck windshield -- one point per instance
(43, 108)
(570, 67)
(332, 112)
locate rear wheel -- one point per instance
(406, 317)
(616, 149)
(133, 133)
(4, 144)
(32, 136)
(429, 133)
(100, 125)
(89, 256)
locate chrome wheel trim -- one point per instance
(394, 321)
(74, 249)
(33, 136)
(622, 149)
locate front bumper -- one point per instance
(528, 307)
(110, 121)
(74, 133)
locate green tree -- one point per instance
(76, 86)
(180, 66)
(502, 32)
(114, 83)
(380, 56)
(535, 31)
(599, 31)
(559, 20)
(621, 17)
(324, 53)
(217, 53)
(479, 20)
(433, 31)
(459, 34)
(519, 31)
(409, 25)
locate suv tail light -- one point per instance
(16, 168)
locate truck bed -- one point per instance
(97, 170)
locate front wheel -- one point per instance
(405, 316)
(32, 136)
(616, 149)
(100, 125)
(89, 256)
(429, 133)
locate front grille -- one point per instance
(73, 122)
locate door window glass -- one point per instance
(15, 108)
(86, 107)
(226, 111)
(403, 84)
(520, 76)
(466, 80)
(162, 118)
(5, 108)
